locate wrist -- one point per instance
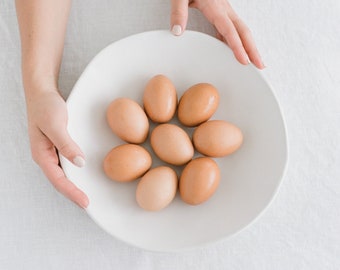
(39, 70)
(38, 82)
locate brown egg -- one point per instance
(217, 138)
(157, 188)
(171, 144)
(127, 162)
(199, 180)
(128, 120)
(160, 99)
(198, 104)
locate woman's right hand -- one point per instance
(47, 127)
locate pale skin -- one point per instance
(42, 26)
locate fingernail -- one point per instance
(176, 30)
(79, 161)
(263, 65)
(84, 202)
(260, 65)
(248, 61)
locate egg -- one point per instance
(171, 144)
(197, 104)
(128, 120)
(160, 99)
(217, 138)
(127, 162)
(157, 188)
(199, 180)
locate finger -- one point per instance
(220, 37)
(58, 179)
(66, 145)
(219, 15)
(248, 43)
(179, 16)
(227, 29)
(46, 157)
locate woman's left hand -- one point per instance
(230, 28)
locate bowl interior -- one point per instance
(249, 178)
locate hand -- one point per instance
(47, 127)
(230, 28)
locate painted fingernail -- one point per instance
(248, 61)
(176, 30)
(84, 203)
(79, 161)
(259, 64)
(263, 65)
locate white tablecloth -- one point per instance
(300, 44)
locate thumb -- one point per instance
(67, 147)
(179, 16)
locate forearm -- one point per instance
(42, 25)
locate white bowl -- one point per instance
(249, 178)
